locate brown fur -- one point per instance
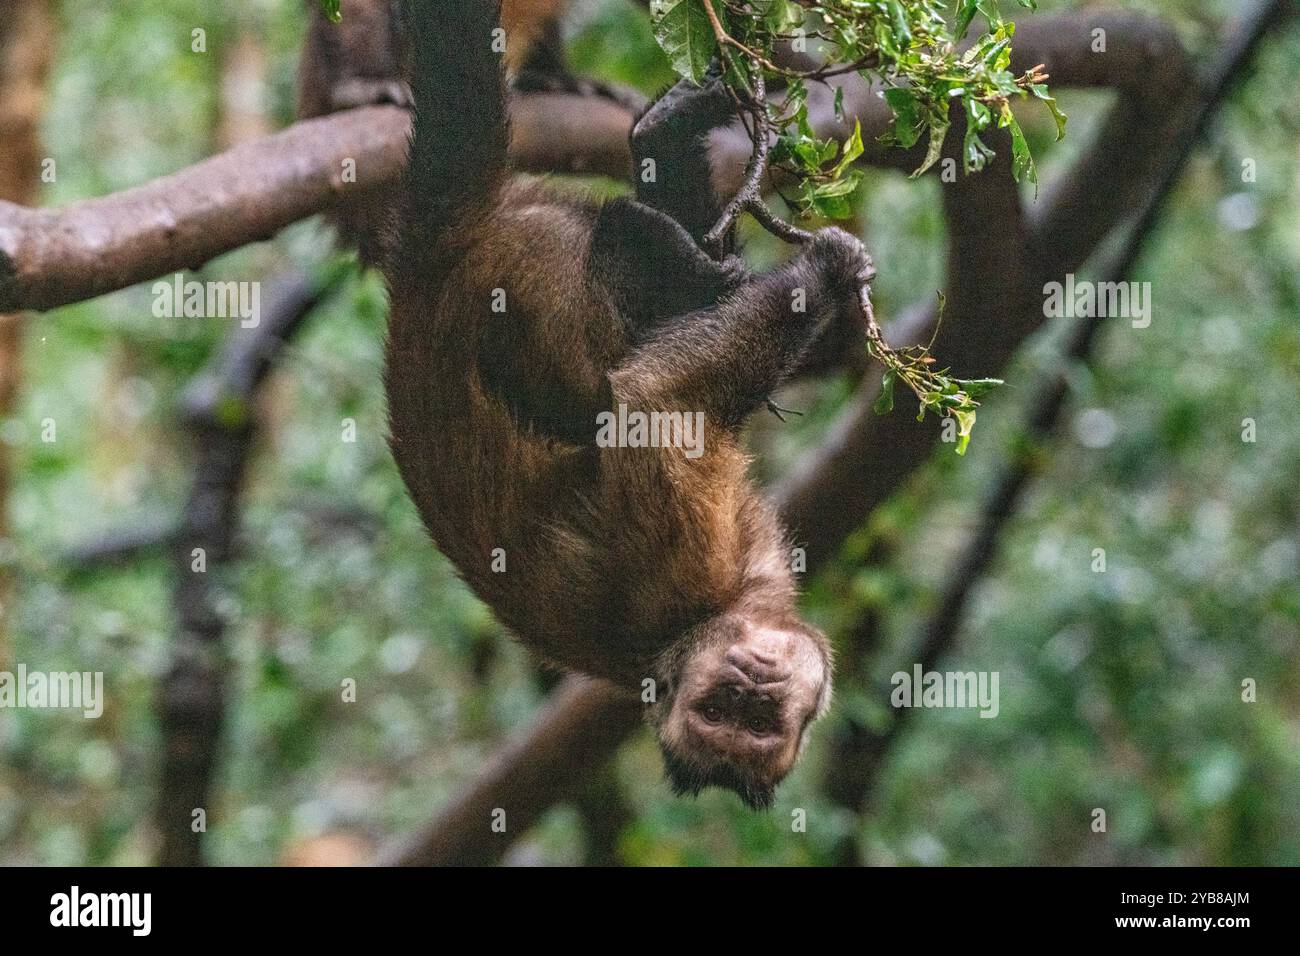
(361, 61)
(527, 23)
(629, 563)
(609, 551)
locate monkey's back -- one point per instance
(507, 305)
(575, 547)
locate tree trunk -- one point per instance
(26, 39)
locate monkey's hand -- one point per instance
(841, 262)
(842, 268)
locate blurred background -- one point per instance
(1119, 690)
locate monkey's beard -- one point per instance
(688, 777)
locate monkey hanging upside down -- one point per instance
(520, 316)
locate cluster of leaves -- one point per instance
(907, 44)
(910, 48)
(936, 388)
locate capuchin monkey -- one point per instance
(522, 322)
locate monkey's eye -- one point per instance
(712, 713)
(759, 725)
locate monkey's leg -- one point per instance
(670, 152)
(725, 360)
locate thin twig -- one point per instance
(725, 39)
(749, 198)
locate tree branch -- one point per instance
(50, 258)
(190, 700)
(580, 726)
(53, 257)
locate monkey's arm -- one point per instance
(725, 360)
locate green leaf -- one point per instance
(965, 425)
(990, 10)
(852, 150)
(907, 116)
(1040, 92)
(993, 58)
(976, 154)
(683, 31)
(840, 187)
(976, 387)
(938, 133)
(898, 20)
(780, 15)
(737, 75)
(1022, 161)
(885, 401)
(331, 9)
(833, 200)
(965, 14)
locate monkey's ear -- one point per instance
(824, 699)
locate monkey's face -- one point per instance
(740, 703)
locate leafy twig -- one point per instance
(935, 389)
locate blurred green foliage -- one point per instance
(1119, 690)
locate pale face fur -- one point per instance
(739, 705)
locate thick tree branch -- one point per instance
(582, 723)
(52, 257)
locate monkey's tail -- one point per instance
(460, 134)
